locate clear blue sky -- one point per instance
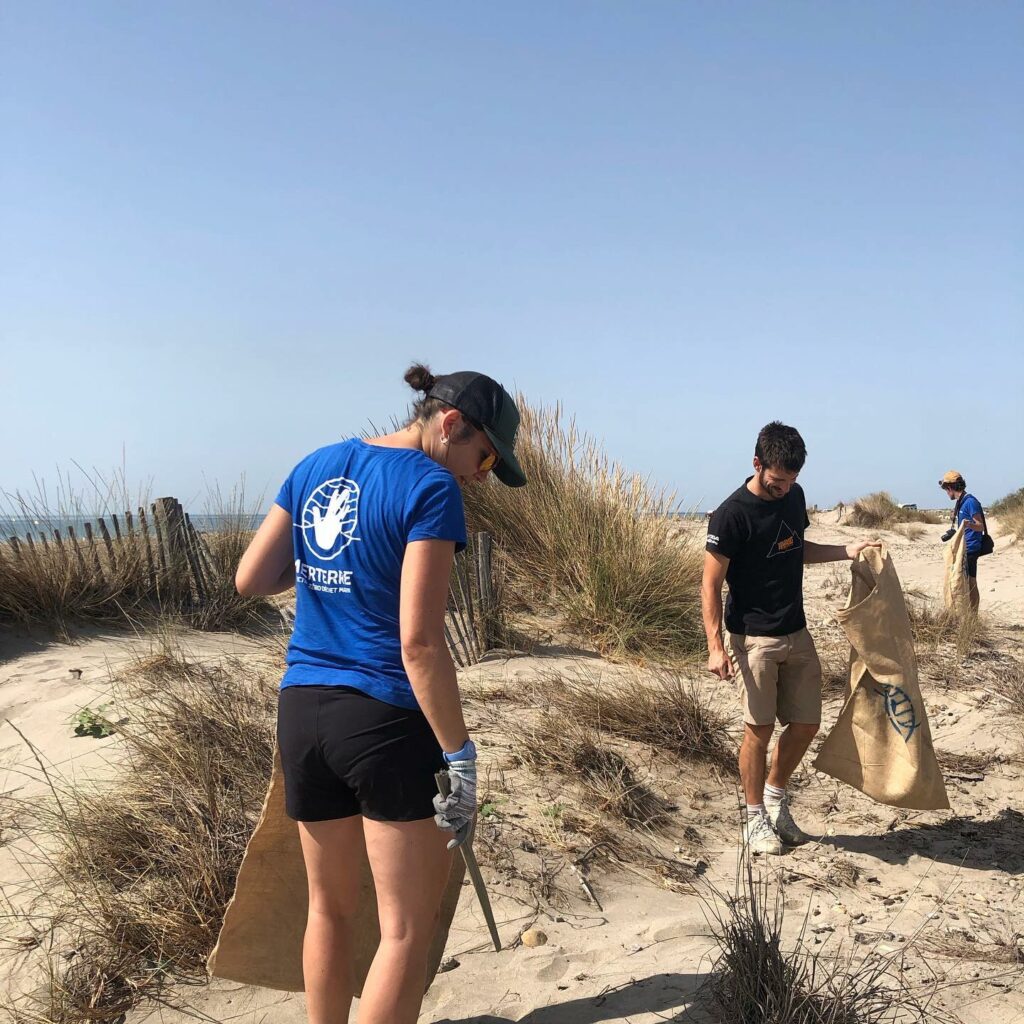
(227, 228)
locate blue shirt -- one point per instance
(969, 508)
(354, 507)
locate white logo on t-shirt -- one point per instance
(329, 517)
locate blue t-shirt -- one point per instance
(354, 507)
(969, 508)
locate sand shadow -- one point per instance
(997, 843)
(657, 994)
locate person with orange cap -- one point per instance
(966, 510)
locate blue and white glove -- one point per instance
(457, 811)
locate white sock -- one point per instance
(774, 795)
(753, 810)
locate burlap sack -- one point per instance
(955, 593)
(260, 941)
(881, 743)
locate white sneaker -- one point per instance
(782, 821)
(760, 837)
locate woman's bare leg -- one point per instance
(410, 865)
(330, 849)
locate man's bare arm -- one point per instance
(715, 568)
(814, 553)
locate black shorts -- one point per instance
(345, 753)
(972, 564)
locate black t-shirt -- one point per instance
(764, 542)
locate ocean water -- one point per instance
(22, 526)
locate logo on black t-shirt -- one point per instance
(787, 540)
(330, 516)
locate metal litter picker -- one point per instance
(444, 787)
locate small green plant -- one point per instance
(93, 722)
(553, 811)
(489, 809)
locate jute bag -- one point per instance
(954, 583)
(881, 743)
(260, 941)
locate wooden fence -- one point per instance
(471, 622)
(156, 549)
(159, 551)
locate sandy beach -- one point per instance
(945, 887)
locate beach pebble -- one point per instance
(534, 937)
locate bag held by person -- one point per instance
(881, 743)
(260, 942)
(955, 595)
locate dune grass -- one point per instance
(912, 531)
(934, 628)
(144, 868)
(658, 708)
(592, 543)
(608, 780)
(879, 511)
(1010, 510)
(756, 980)
(49, 579)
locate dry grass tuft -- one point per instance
(968, 763)
(912, 531)
(879, 511)
(661, 709)
(757, 981)
(962, 944)
(935, 628)
(1010, 510)
(1010, 683)
(593, 543)
(145, 868)
(580, 754)
(56, 583)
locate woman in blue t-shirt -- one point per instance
(366, 532)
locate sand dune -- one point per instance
(946, 886)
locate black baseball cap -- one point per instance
(490, 407)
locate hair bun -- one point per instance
(419, 378)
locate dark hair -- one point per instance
(419, 378)
(780, 447)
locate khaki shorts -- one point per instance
(779, 677)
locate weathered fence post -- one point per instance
(78, 550)
(108, 544)
(144, 529)
(470, 618)
(485, 589)
(94, 550)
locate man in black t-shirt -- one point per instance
(756, 545)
